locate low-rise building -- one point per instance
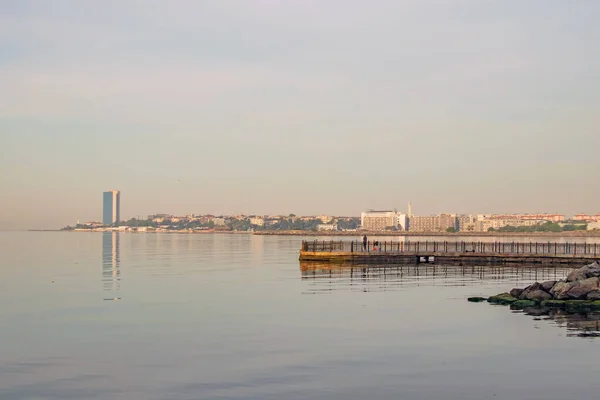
(257, 221)
(448, 221)
(218, 221)
(463, 220)
(530, 217)
(586, 217)
(378, 220)
(424, 224)
(327, 227)
(593, 226)
(271, 221)
(477, 226)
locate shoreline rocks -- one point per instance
(579, 292)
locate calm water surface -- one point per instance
(175, 316)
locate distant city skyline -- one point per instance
(263, 107)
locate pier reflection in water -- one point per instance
(111, 274)
(389, 277)
(323, 278)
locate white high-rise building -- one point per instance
(402, 221)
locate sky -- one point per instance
(305, 107)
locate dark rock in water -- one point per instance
(583, 287)
(561, 288)
(593, 270)
(554, 303)
(548, 285)
(533, 286)
(577, 275)
(534, 292)
(582, 306)
(593, 295)
(536, 295)
(578, 293)
(589, 271)
(573, 305)
(502, 298)
(476, 299)
(521, 304)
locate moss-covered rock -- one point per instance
(582, 305)
(521, 304)
(573, 305)
(476, 299)
(554, 303)
(502, 298)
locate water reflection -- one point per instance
(111, 274)
(576, 324)
(326, 278)
(377, 277)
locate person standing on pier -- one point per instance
(365, 242)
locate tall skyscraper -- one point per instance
(111, 207)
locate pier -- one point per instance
(438, 252)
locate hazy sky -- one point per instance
(307, 107)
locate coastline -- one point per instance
(348, 233)
(437, 234)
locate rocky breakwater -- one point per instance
(579, 292)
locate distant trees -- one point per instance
(298, 224)
(134, 222)
(545, 227)
(451, 230)
(348, 223)
(240, 224)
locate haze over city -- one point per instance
(269, 107)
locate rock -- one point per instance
(548, 285)
(535, 292)
(476, 299)
(577, 275)
(580, 291)
(516, 292)
(536, 295)
(561, 288)
(554, 303)
(521, 304)
(533, 286)
(593, 270)
(593, 295)
(573, 305)
(589, 271)
(502, 298)
(582, 306)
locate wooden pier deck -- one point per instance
(481, 253)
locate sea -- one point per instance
(107, 315)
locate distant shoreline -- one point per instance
(351, 233)
(417, 234)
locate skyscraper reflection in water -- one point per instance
(111, 275)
